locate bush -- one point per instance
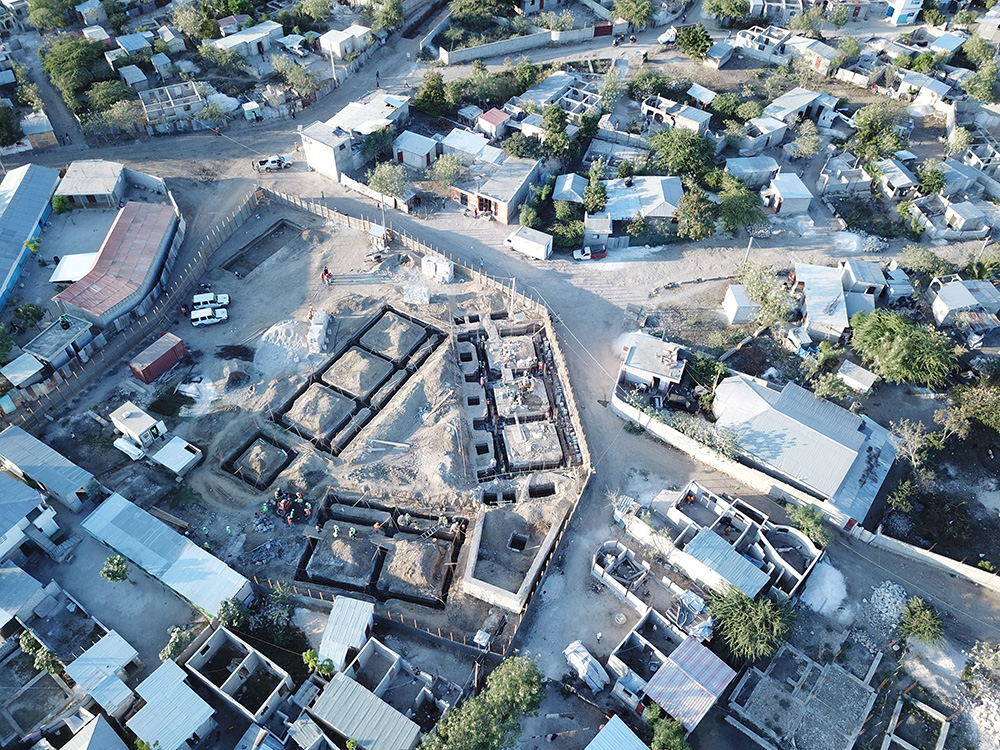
(924, 260)
(179, 640)
(921, 622)
(810, 521)
(61, 204)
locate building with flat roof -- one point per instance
(25, 203)
(502, 191)
(140, 246)
(173, 714)
(197, 576)
(824, 305)
(93, 183)
(100, 672)
(255, 40)
(20, 593)
(28, 458)
(60, 341)
(166, 104)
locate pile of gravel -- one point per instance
(884, 609)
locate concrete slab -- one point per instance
(532, 445)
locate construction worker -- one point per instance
(265, 506)
(291, 516)
(406, 519)
(336, 531)
(309, 509)
(352, 532)
(277, 494)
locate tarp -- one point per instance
(73, 268)
(589, 669)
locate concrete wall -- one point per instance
(599, 10)
(428, 41)
(390, 200)
(976, 575)
(495, 49)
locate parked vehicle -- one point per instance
(210, 299)
(531, 242)
(208, 316)
(588, 254)
(272, 163)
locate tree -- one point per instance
(233, 62)
(876, 124)
(934, 17)
(120, 117)
(726, 103)
(849, 48)
(646, 84)
(901, 498)
(529, 217)
(982, 84)
(809, 21)
(449, 169)
(10, 127)
(694, 41)
(760, 282)
(302, 80)
(840, 16)
(959, 141)
(921, 622)
(29, 314)
(682, 152)
(311, 659)
(978, 51)
(28, 643)
(390, 15)
(522, 146)
(912, 441)
(828, 385)
(595, 195)
(567, 234)
(378, 144)
(430, 96)
(611, 90)
(491, 720)
(980, 402)
(965, 17)
(179, 640)
(749, 110)
(115, 569)
(695, 216)
(232, 613)
(103, 94)
(901, 350)
(808, 142)
(984, 657)
(669, 734)
(389, 179)
(923, 63)
(931, 177)
(636, 12)
(46, 661)
(727, 10)
(751, 628)
(924, 260)
(810, 521)
(186, 18)
(317, 10)
(47, 15)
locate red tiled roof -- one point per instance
(494, 117)
(125, 259)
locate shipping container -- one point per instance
(158, 357)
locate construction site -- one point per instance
(426, 454)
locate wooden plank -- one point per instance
(168, 517)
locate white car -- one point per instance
(208, 316)
(272, 163)
(209, 299)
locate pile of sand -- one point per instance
(283, 349)
(413, 566)
(357, 371)
(320, 411)
(393, 336)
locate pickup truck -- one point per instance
(272, 163)
(209, 299)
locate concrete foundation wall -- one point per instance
(976, 575)
(494, 49)
(428, 41)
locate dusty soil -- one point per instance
(357, 372)
(415, 567)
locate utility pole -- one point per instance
(747, 256)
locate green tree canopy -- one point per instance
(921, 622)
(389, 15)
(682, 152)
(761, 284)
(47, 15)
(808, 141)
(10, 127)
(848, 47)
(103, 94)
(377, 145)
(449, 169)
(931, 177)
(694, 40)
(840, 16)
(73, 63)
(978, 51)
(810, 521)
(727, 10)
(595, 195)
(982, 84)
(115, 569)
(739, 206)
(636, 12)
(901, 350)
(389, 179)
(302, 80)
(751, 628)
(924, 260)
(522, 146)
(317, 10)
(430, 95)
(695, 216)
(877, 124)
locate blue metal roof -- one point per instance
(715, 552)
(24, 199)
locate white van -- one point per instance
(209, 299)
(209, 315)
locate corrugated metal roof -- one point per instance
(104, 659)
(715, 552)
(16, 589)
(127, 258)
(96, 734)
(494, 117)
(24, 195)
(38, 461)
(347, 624)
(173, 711)
(199, 577)
(689, 682)
(569, 187)
(354, 711)
(815, 442)
(154, 351)
(16, 501)
(615, 735)
(825, 305)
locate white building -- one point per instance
(902, 12)
(415, 150)
(174, 714)
(787, 195)
(824, 305)
(739, 308)
(348, 628)
(651, 363)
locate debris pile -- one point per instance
(885, 608)
(268, 551)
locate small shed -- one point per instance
(158, 357)
(493, 123)
(177, 456)
(97, 33)
(691, 680)
(863, 276)
(469, 114)
(754, 171)
(898, 283)
(718, 55)
(132, 76)
(348, 627)
(137, 425)
(162, 65)
(569, 187)
(172, 38)
(856, 377)
(615, 735)
(702, 95)
(251, 111)
(415, 150)
(964, 217)
(597, 230)
(91, 12)
(739, 308)
(787, 194)
(23, 371)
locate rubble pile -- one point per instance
(884, 609)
